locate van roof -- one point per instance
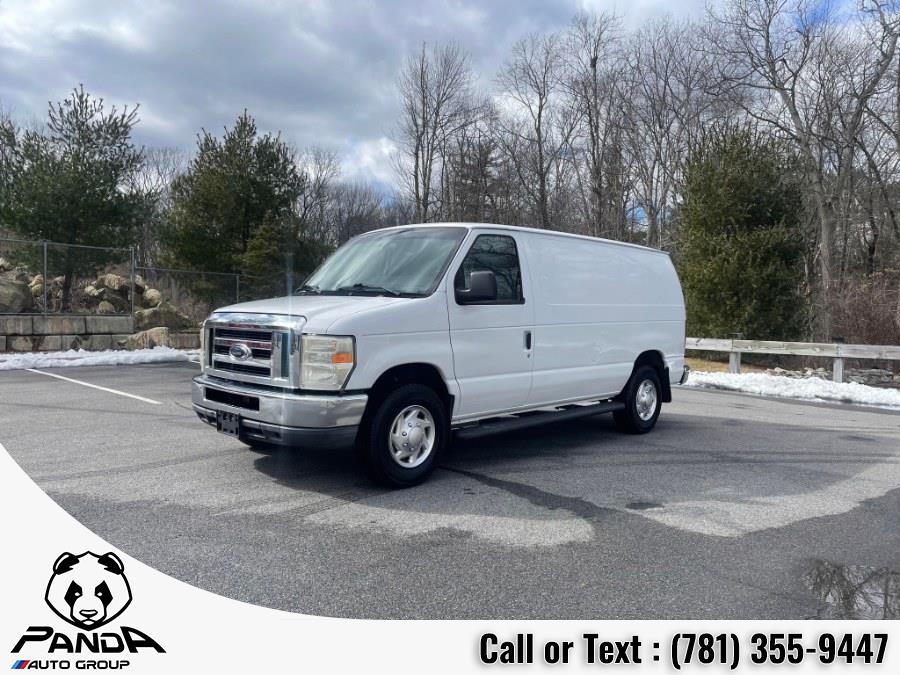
(530, 230)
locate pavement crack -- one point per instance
(136, 468)
(334, 502)
(577, 506)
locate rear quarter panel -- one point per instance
(599, 305)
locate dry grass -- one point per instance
(720, 366)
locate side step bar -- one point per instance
(498, 425)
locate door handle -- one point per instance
(528, 340)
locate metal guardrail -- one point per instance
(837, 351)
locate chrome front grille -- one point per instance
(267, 348)
(258, 352)
(234, 334)
(260, 343)
(258, 371)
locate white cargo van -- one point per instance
(408, 334)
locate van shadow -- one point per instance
(316, 469)
(558, 441)
(686, 457)
(335, 471)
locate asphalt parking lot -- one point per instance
(727, 510)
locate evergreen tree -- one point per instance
(741, 251)
(232, 187)
(278, 258)
(70, 182)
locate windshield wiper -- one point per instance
(366, 288)
(307, 288)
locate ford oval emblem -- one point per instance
(240, 352)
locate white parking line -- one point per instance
(95, 386)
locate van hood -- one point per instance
(319, 311)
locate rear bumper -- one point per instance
(280, 417)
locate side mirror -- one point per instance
(482, 287)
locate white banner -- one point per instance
(71, 601)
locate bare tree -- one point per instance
(354, 208)
(321, 169)
(538, 120)
(436, 93)
(810, 79)
(881, 177)
(664, 105)
(153, 182)
(595, 67)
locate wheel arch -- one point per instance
(655, 360)
(409, 373)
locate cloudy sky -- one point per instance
(323, 73)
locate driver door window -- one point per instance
(498, 254)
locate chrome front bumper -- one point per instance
(280, 417)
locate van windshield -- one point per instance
(407, 263)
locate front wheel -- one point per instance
(407, 433)
(642, 402)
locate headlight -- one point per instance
(325, 361)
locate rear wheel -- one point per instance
(642, 397)
(405, 437)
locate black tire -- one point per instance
(374, 439)
(633, 419)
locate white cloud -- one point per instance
(370, 161)
(323, 73)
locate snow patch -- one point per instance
(807, 388)
(81, 357)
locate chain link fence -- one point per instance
(194, 293)
(42, 277)
(22, 262)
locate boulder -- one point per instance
(5, 264)
(116, 298)
(151, 298)
(148, 339)
(164, 314)
(18, 273)
(15, 296)
(113, 281)
(91, 292)
(106, 307)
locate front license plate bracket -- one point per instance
(228, 423)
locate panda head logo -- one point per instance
(88, 590)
